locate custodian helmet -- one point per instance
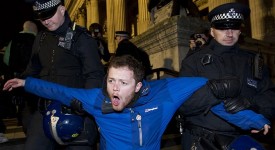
(61, 126)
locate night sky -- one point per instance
(13, 14)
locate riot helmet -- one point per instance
(60, 125)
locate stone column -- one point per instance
(88, 10)
(94, 11)
(214, 3)
(262, 19)
(143, 16)
(110, 25)
(119, 15)
(81, 19)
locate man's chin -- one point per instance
(117, 109)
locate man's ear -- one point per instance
(138, 86)
(211, 32)
(62, 9)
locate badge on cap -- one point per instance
(45, 9)
(231, 14)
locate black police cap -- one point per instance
(45, 9)
(122, 33)
(229, 16)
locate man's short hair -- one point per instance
(130, 62)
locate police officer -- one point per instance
(96, 31)
(224, 58)
(63, 53)
(126, 47)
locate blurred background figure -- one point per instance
(198, 40)
(18, 52)
(3, 139)
(5, 97)
(97, 33)
(17, 56)
(126, 47)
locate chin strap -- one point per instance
(54, 120)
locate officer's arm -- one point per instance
(214, 92)
(92, 68)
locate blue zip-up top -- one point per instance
(142, 125)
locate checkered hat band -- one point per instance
(38, 6)
(226, 16)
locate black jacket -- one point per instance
(20, 51)
(215, 62)
(79, 66)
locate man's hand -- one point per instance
(225, 88)
(13, 83)
(265, 129)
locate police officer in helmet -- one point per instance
(224, 58)
(63, 53)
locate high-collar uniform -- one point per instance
(76, 66)
(216, 62)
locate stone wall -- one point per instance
(167, 42)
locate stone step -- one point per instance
(13, 131)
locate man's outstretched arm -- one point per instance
(55, 91)
(245, 119)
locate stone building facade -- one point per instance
(167, 39)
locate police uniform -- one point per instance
(67, 56)
(96, 31)
(126, 47)
(204, 130)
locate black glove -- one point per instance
(76, 105)
(225, 88)
(234, 105)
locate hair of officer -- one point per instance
(131, 63)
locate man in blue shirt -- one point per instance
(132, 113)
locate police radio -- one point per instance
(258, 66)
(66, 42)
